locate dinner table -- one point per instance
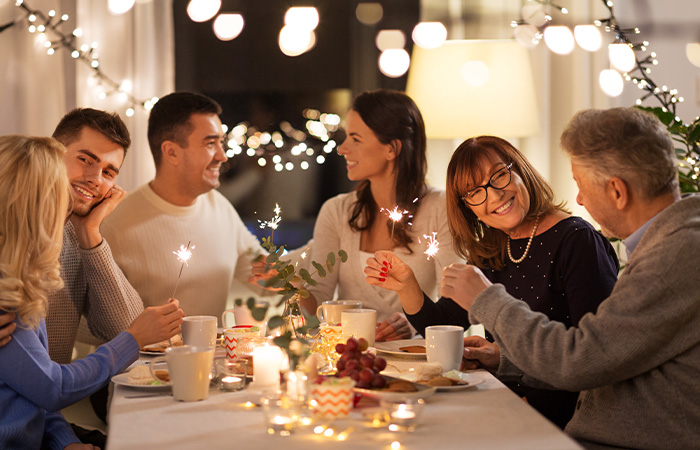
(485, 415)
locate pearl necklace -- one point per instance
(527, 248)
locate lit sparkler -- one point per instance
(183, 254)
(396, 216)
(272, 223)
(433, 246)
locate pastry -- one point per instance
(413, 349)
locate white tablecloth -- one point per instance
(487, 416)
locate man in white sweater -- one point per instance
(180, 206)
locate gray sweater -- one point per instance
(637, 360)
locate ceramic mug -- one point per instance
(359, 323)
(331, 310)
(444, 344)
(190, 369)
(234, 335)
(199, 331)
(242, 315)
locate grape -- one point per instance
(379, 364)
(363, 385)
(352, 364)
(345, 357)
(366, 375)
(351, 344)
(340, 348)
(340, 365)
(354, 374)
(362, 344)
(367, 361)
(378, 381)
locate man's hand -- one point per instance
(157, 323)
(462, 283)
(396, 326)
(7, 327)
(261, 271)
(87, 228)
(480, 353)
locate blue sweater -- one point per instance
(33, 389)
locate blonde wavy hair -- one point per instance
(34, 202)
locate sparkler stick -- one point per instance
(396, 216)
(183, 254)
(433, 246)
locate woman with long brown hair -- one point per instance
(385, 152)
(504, 220)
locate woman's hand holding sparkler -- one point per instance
(386, 270)
(157, 323)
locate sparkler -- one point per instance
(272, 223)
(396, 216)
(183, 254)
(433, 246)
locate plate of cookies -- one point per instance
(140, 377)
(403, 347)
(453, 380)
(398, 389)
(159, 347)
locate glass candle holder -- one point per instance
(403, 416)
(281, 413)
(231, 374)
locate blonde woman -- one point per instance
(34, 204)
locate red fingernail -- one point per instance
(384, 271)
(382, 279)
(384, 262)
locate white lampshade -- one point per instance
(499, 100)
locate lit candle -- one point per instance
(403, 413)
(231, 383)
(267, 361)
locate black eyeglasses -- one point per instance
(498, 180)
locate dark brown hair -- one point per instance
(482, 245)
(108, 124)
(393, 115)
(170, 119)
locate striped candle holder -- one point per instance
(332, 401)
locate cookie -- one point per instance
(413, 349)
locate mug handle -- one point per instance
(319, 313)
(223, 317)
(155, 360)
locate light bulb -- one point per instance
(117, 7)
(294, 41)
(622, 57)
(394, 62)
(588, 37)
(305, 17)
(559, 39)
(228, 26)
(429, 35)
(611, 82)
(203, 10)
(387, 39)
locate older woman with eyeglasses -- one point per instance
(503, 219)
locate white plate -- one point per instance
(393, 347)
(472, 378)
(123, 380)
(422, 392)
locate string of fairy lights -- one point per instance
(629, 58)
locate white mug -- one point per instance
(444, 344)
(330, 311)
(242, 315)
(199, 331)
(190, 369)
(359, 323)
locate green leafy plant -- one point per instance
(688, 152)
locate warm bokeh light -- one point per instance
(294, 41)
(527, 35)
(611, 82)
(622, 57)
(475, 73)
(387, 39)
(203, 10)
(117, 7)
(559, 39)
(228, 26)
(429, 34)
(369, 13)
(394, 62)
(692, 51)
(305, 17)
(588, 37)
(534, 13)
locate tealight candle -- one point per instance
(402, 413)
(404, 416)
(231, 383)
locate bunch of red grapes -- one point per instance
(364, 368)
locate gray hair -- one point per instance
(627, 143)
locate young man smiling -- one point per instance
(96, 144)
(181, 205)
